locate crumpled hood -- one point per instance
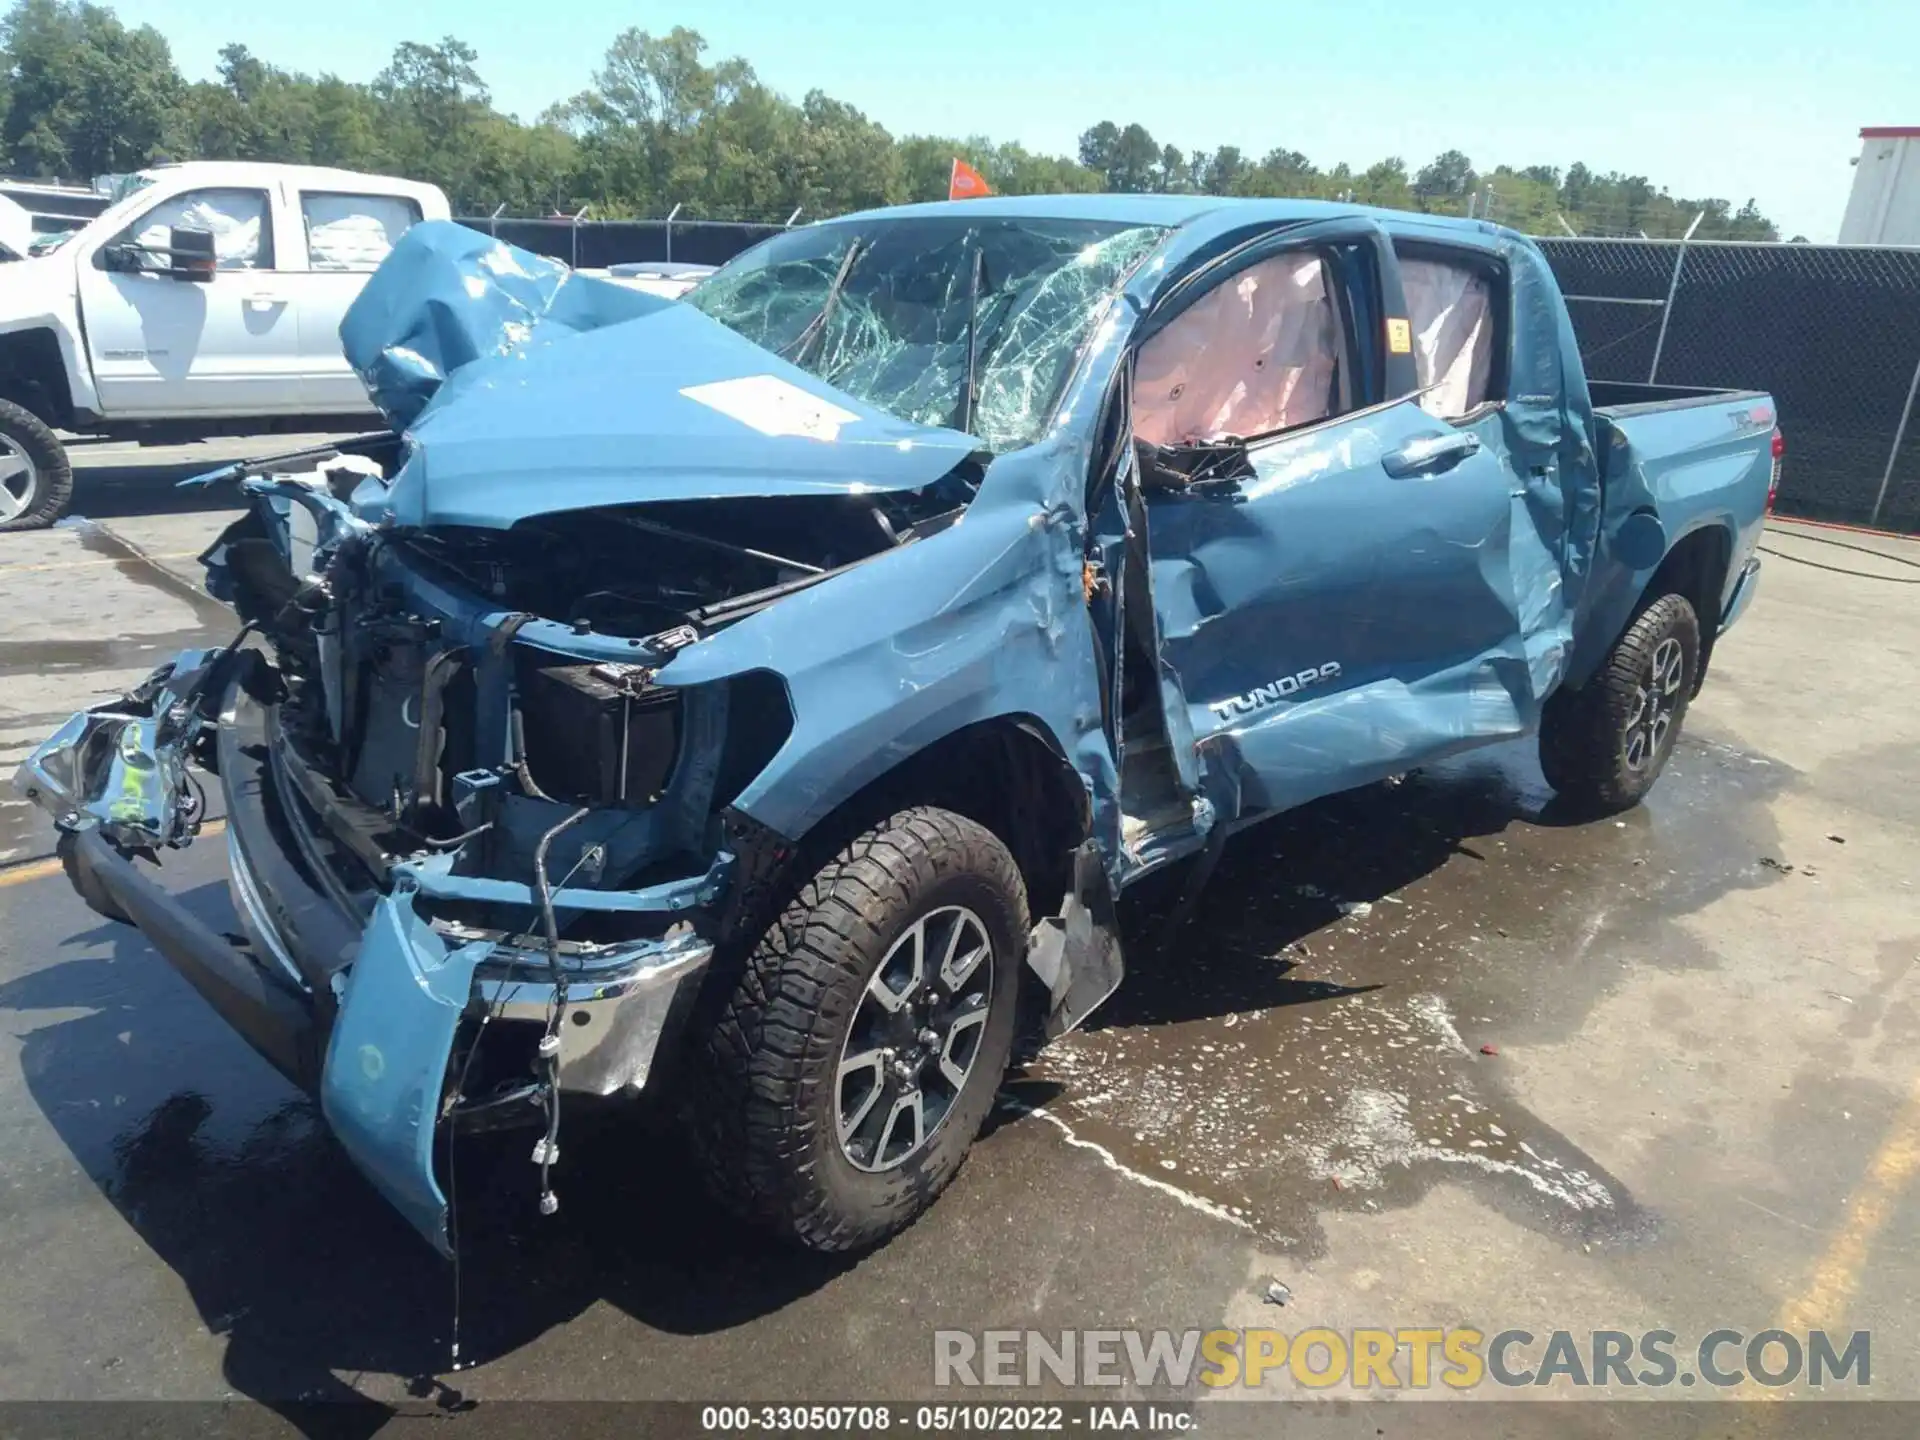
(526, 389)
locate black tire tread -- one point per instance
(55, 474)
(1580, 729)
(758, 1068)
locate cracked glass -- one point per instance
(889, 310)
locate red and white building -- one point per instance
(1884, 208)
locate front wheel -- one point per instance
(36, 482)
(1603, 745)
(861, 1048)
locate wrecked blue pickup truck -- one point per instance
(763, 697)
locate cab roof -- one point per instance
(1180, 210)
(262, 172)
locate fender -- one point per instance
(75, 384)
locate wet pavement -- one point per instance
(1429, 1053)
(1317, 1039)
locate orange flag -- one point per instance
(966, 183)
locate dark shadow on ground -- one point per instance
(112, 492)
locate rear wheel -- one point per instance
(1602, 746)
(36, 483)
(863, 1044)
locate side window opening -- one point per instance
(1258, 353)
(237, 219)
(1453, 307)
(354, 232)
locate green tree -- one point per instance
(1098, 145)
(1015, 170)
(1281, 172)
(654, 126)
(435, 113)
(1223, 170)
(1444, 183)
(1748, 223)
(926, 166)
(1172, 175)
(346, 126)
(663, 123)
(85, 95)
(1127, 159)
(847, 160)
(1385, 183)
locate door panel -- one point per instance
(345, 236)
(1358, 586)
(1331, 622)
(161, 346)
(327, 382)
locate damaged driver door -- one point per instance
(1328, 560)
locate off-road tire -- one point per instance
(1584, 735)
(52, 475)
(85, 883)
(762, 1105)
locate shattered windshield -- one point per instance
(899, 312)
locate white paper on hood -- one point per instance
(773, 406)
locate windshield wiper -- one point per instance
(970, 399)
(796, 350)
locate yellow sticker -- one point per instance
(1399, 337)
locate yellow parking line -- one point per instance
(41, 869)
(34, 870)
(1822, 1305)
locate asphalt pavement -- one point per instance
(1431, 1054)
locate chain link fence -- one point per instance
(597, 244)
(1832, 331)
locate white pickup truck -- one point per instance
(207, 298)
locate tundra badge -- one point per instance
(1274, 691)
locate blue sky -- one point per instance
(1706, 97)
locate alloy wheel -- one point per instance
(19, 479)
(915, 1036)
(1655, 705)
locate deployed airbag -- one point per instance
(1253, 355)
(1452, 334)
(354, 232)
(233, 217)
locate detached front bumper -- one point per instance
(364, 1008)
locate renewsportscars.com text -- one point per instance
(1418, 1358)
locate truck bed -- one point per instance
(1614, 399)
(1717, 438)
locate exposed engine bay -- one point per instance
(387, 719)
(643, 569)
